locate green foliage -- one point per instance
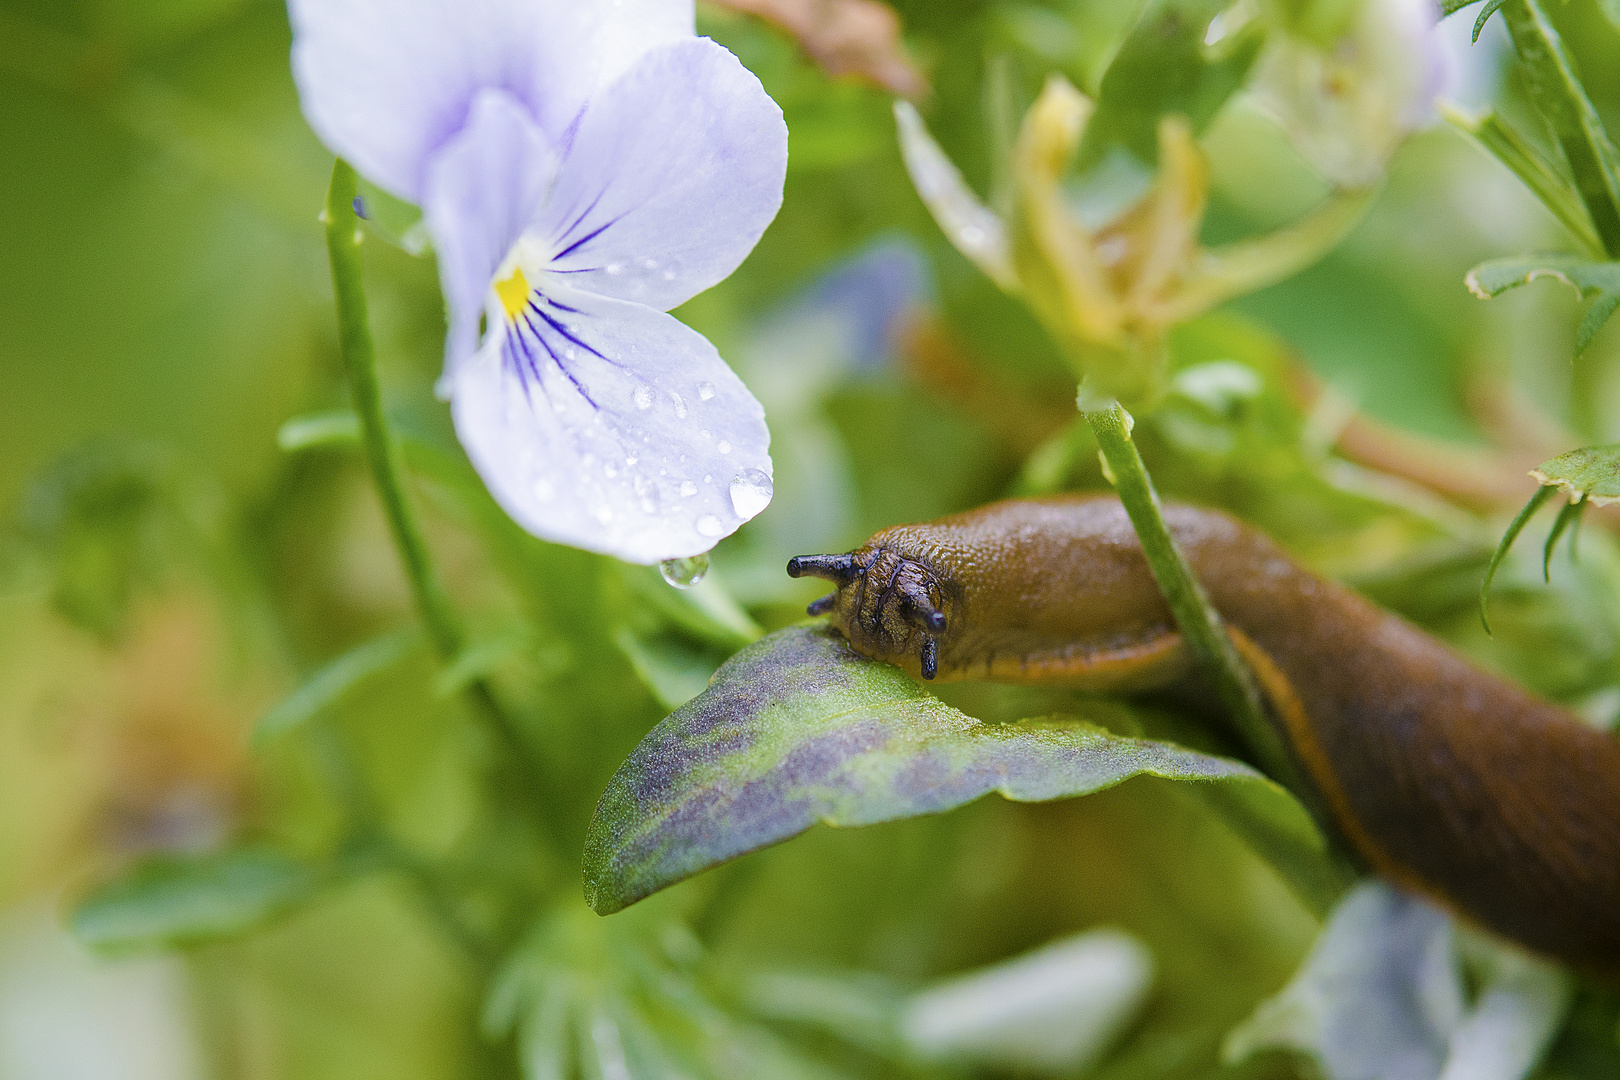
(1560, 97)
(1598, 280)
(798, 729)
(186, 901)
(197, 548)
(1163, 67)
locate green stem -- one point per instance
(386, 460)
(1201, 626)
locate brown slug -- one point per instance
(1447, 780)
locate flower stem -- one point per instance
(1201, 626)
(386, 460)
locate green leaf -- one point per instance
(1557, 92)
(1451, 7)
(179, 901)
(1491, 7)
(1545, 178)
(333, 681)
(1591, 474)
(1164, 67)
(1598, 280)
(1512, 534)
(798, 729)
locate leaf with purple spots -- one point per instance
(798, 729)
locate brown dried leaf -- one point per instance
(846, 37)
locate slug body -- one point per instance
(1446, 779)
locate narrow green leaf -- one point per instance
(798, 729)
(1512, 534)
(1597, 313)
(333, 681)
(169, 901)
(1550, 78)
(1490, 8)
(1543, 177)
(1570, 513)
(1451, 7)
(337, 428)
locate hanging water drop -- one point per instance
(751, 492)
(684, 573)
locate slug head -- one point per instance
(890, 607)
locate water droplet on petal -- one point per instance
(644, 397)
(751, 492)
(688, 488)
(705, 390)
(723, 446)
(609, 471)
(680, 405)
(684, 573)
(709, 525)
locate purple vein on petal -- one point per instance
(587, 238)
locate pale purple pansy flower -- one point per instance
(583, 166)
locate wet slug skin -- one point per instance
(1446, 779)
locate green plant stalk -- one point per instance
(1558, 94)
(1200, 624)
(1532, 167)
(386, 460)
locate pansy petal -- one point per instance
(611, 426)
(481, 189)
(385, 83)
(674, 173)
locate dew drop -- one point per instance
(723, 446)
(751, 492)
(706, 433)
(709, 525)
(688, 488)
(684, 573)
(609, 471)
(644, 397)
(615, 268)
(680, 405)
(705, 390)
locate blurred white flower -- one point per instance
(1347, 105)
(583, 166)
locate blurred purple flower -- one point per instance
(583, 166)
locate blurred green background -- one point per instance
(168, 573)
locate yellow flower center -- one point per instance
(514, 293)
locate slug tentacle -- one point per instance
(891, 605)
(1445, 778)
